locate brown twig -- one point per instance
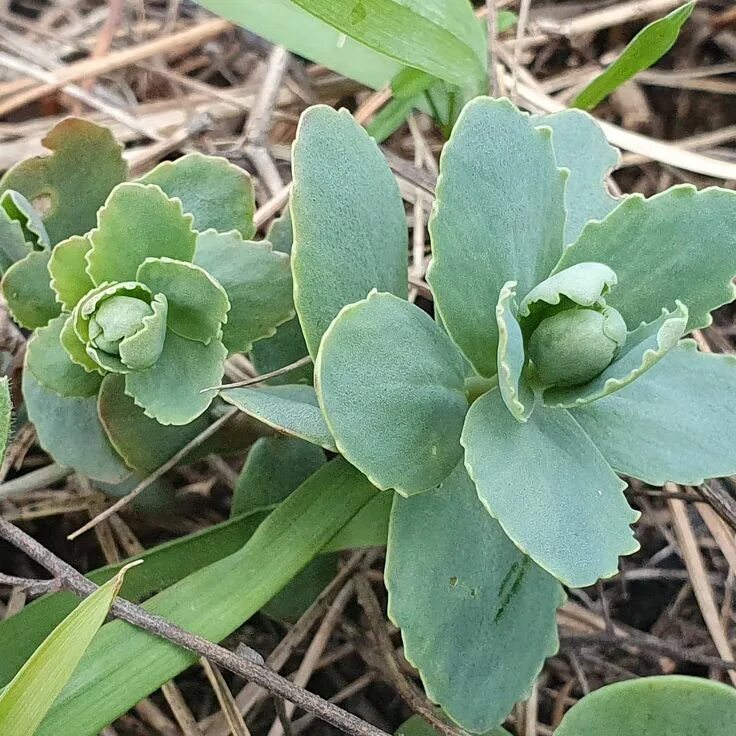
(263, 377)
(250, 667)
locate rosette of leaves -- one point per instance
(555, 364)
(136, 292)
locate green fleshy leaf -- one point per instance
(287, 345)
(392, 388)
(672, 423)
(643, 349)
(417, 726)
(217, 193)
(581, 147)
(75, 348)
(499, 215)
(516, 394)
(198, 305)
(290, 409)
(138, 222)
(676, 245)
(140, 351)
(27, 699)
(477, 616)
(274, 467)
(69, 429)
(26, 289)
(170, 392)
(13, 244)
(143, 443)
(584, 284)
(673, 705)
(71, 184)
(350, 233)
(85, 311)
(257, 281)
(21, 210)
(69, 278)
(550, 489)
(281, 233)
(52, 366)
(644, 50)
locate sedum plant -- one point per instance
(136, 293)
(555, 364)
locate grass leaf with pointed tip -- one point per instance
(29, 696)
(441, 37)
(125, 664)
(644, 50)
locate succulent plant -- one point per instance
(554, 364)
(136, 291)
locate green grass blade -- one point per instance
(441, 37)
(30, 695)
(165, 565)
(283, 22)
(645, 49)
(124, 664)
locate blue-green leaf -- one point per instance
(350, 232)
(643, 349)
(51, 365)
(142, 442)
(477, 616)
(499, 216)
(137, 222)
(197, 304)
(69, 429)
(68, 270)
(21, 210)
(644, 50)
(27, 292)
(679, 244)
(391, 386)
(516, 394)
(672, 705)
(73, 182)
(257, 281)
(672, 423)
(550, 489)
(216, 193)
(582, 148)
(171, 391)
(293, 410)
